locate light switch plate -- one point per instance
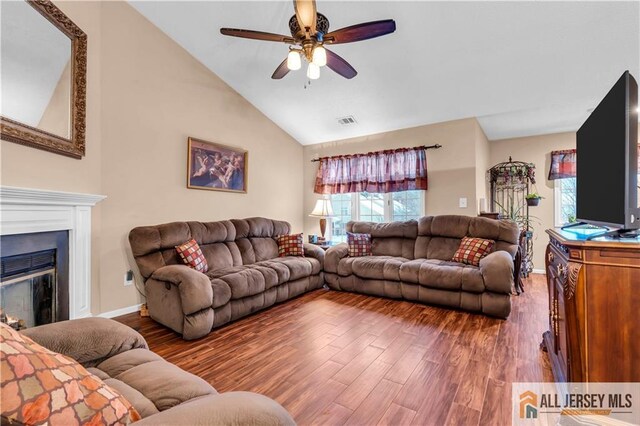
(463, 202)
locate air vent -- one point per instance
(11, 266)
(347, 121)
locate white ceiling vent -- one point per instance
(347, 121)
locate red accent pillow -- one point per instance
(192, 256)
(43, 387)
(471, 250)
(359, 244)
(290, 245)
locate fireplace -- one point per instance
(45, 237)
(34, 278)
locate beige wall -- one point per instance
(452, 168)
(483, 163)
(146, 95)
(537, 150)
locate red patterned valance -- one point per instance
(382, 171)
(563, 164)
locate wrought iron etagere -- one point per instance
(510, 183)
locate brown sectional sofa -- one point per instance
(162, 393)
(245, 273)
(412, 260)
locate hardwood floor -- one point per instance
(334, 358)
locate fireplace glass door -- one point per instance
(28, 290)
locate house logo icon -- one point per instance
(528, 405)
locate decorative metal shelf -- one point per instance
(510, 183)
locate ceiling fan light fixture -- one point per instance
(313, 71)
(320, 56)
(293, 60)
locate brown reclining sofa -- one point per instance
(162, 393)
(412, 260)
(245, 273)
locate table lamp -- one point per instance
(323, 210)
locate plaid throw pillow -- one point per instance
(41, 387)
(471, 250)
(359, 244)
(290, 245)
(192, 256)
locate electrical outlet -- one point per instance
(463, 202)
(128, 278)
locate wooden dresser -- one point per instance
(594, 309)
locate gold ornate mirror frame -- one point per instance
(14, 131)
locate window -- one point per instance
(373, 207)
(341, 204)
(407, 205)
(565, 201)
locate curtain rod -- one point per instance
(435, 146)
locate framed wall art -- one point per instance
(216, 167)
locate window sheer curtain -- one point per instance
(381, 172)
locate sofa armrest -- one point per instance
(497, 271)
(87, 340)
(195, 288)
(231, 408)
(333, 255)
(312, 250)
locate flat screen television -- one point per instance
(607, 160)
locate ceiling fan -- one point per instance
(309, 34)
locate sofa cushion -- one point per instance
(40, 386)
(247, 280)
(345, 266)
(359, 244)
(439, 236)
(290, 245)
(378, 267)
(298, 267)
(472, 250)
(444, 275)
(141, 403)
(192, 256)
(161, 382)
(389, 239)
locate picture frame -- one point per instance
(215, 167)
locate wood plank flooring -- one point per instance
(333, 358)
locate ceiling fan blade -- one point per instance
(306, 13)
(255, 35)
(339, 65)
(361, 32)
(281, 71)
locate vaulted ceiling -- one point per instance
(522, 68)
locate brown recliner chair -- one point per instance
(162, 393)
(412, 260)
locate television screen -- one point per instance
(606, 164)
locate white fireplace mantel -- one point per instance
(26, 210)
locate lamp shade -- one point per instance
(293, 60)
(322, 209)
(320, 56)
(313, 71)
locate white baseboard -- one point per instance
(121, 311)
(538, 271)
